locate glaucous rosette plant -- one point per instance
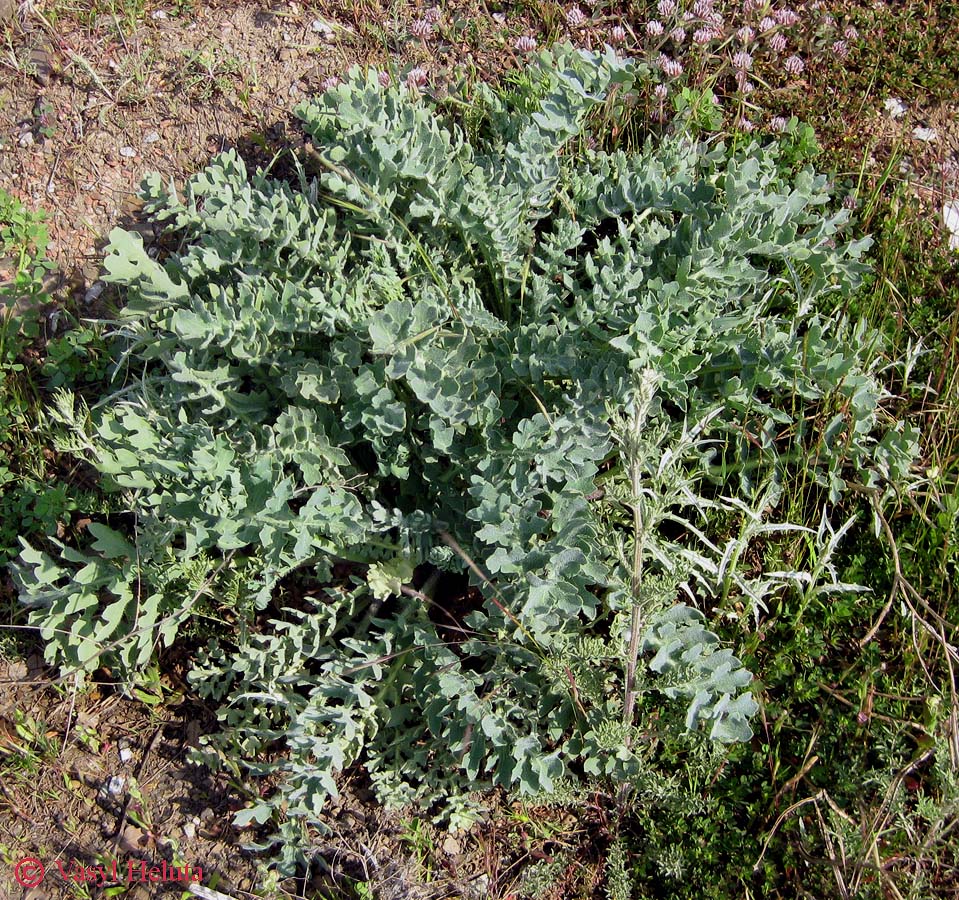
(485, 396)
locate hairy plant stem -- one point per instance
(636, 619)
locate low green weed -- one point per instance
(23, 241)
(23, 245)
(208, 72)
(32, 502)
(80, 358)
(417, 835)
(30, 747)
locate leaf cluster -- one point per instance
(428, 358)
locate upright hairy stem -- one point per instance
(632, 444)
(635, 585)
(636, 619)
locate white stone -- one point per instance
(115, 785)
(925, 134)
(895, 107)
(950, 218)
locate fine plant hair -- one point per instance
(480, 399)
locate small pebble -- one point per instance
(189, 831)
(133, 839)
(158, 14)
(115, 785)
(151, 137)
(451, 846)
(950, 219)
(320, 27)
(42, 65)
(925, 134)
(26, 139)
(895, 107)
(126, 754)
(479, 887)
(128, 152)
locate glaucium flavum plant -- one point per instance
(477, 399)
